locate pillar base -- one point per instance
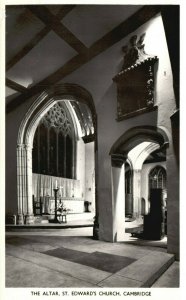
(96, 230)
(20, 219)
(29, 219)
(136, 216)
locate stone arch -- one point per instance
(40, 106)
(134, 136)
(119, 155)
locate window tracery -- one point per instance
(54, 144)
(157, 178)
(57, 118)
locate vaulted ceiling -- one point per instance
(45, 43)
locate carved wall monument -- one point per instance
(135, 82)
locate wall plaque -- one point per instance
(135, 82)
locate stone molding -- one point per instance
(27, 129)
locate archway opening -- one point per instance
(158, 194)
(59, 159)
(56, 142)
(145, 149)
(128, 190)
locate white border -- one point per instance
(163, 293)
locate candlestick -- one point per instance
(55, 220)
(61, 190)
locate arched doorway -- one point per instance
(158, 192)
(128, 190)
(136, 144)
(72, 95)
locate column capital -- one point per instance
(118, 160)
(24, 146)
(28, 147)
(20, 146)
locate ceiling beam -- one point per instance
(65, 9)
(54, 23)
(114, 36)
(25, 50)
(15, 86)
(125, 28)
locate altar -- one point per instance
(69, 192)
(46, 205)
(72, 205)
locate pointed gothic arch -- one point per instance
(156, 137)
(27, 129)
(134, 136)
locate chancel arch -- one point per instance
(47, 142)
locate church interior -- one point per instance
(92, 143)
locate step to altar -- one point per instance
(44, 219)
(75, 220)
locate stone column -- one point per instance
(24, 182)
(136, 193)
(48, 150)
(57, 152)
(64, 159)
(38, 151)
(20, 217)
(28, 186)
(96, 219)
(118, 197)
(73, 156)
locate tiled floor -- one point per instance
(98, 260)
(170, 278)
(71, 258)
